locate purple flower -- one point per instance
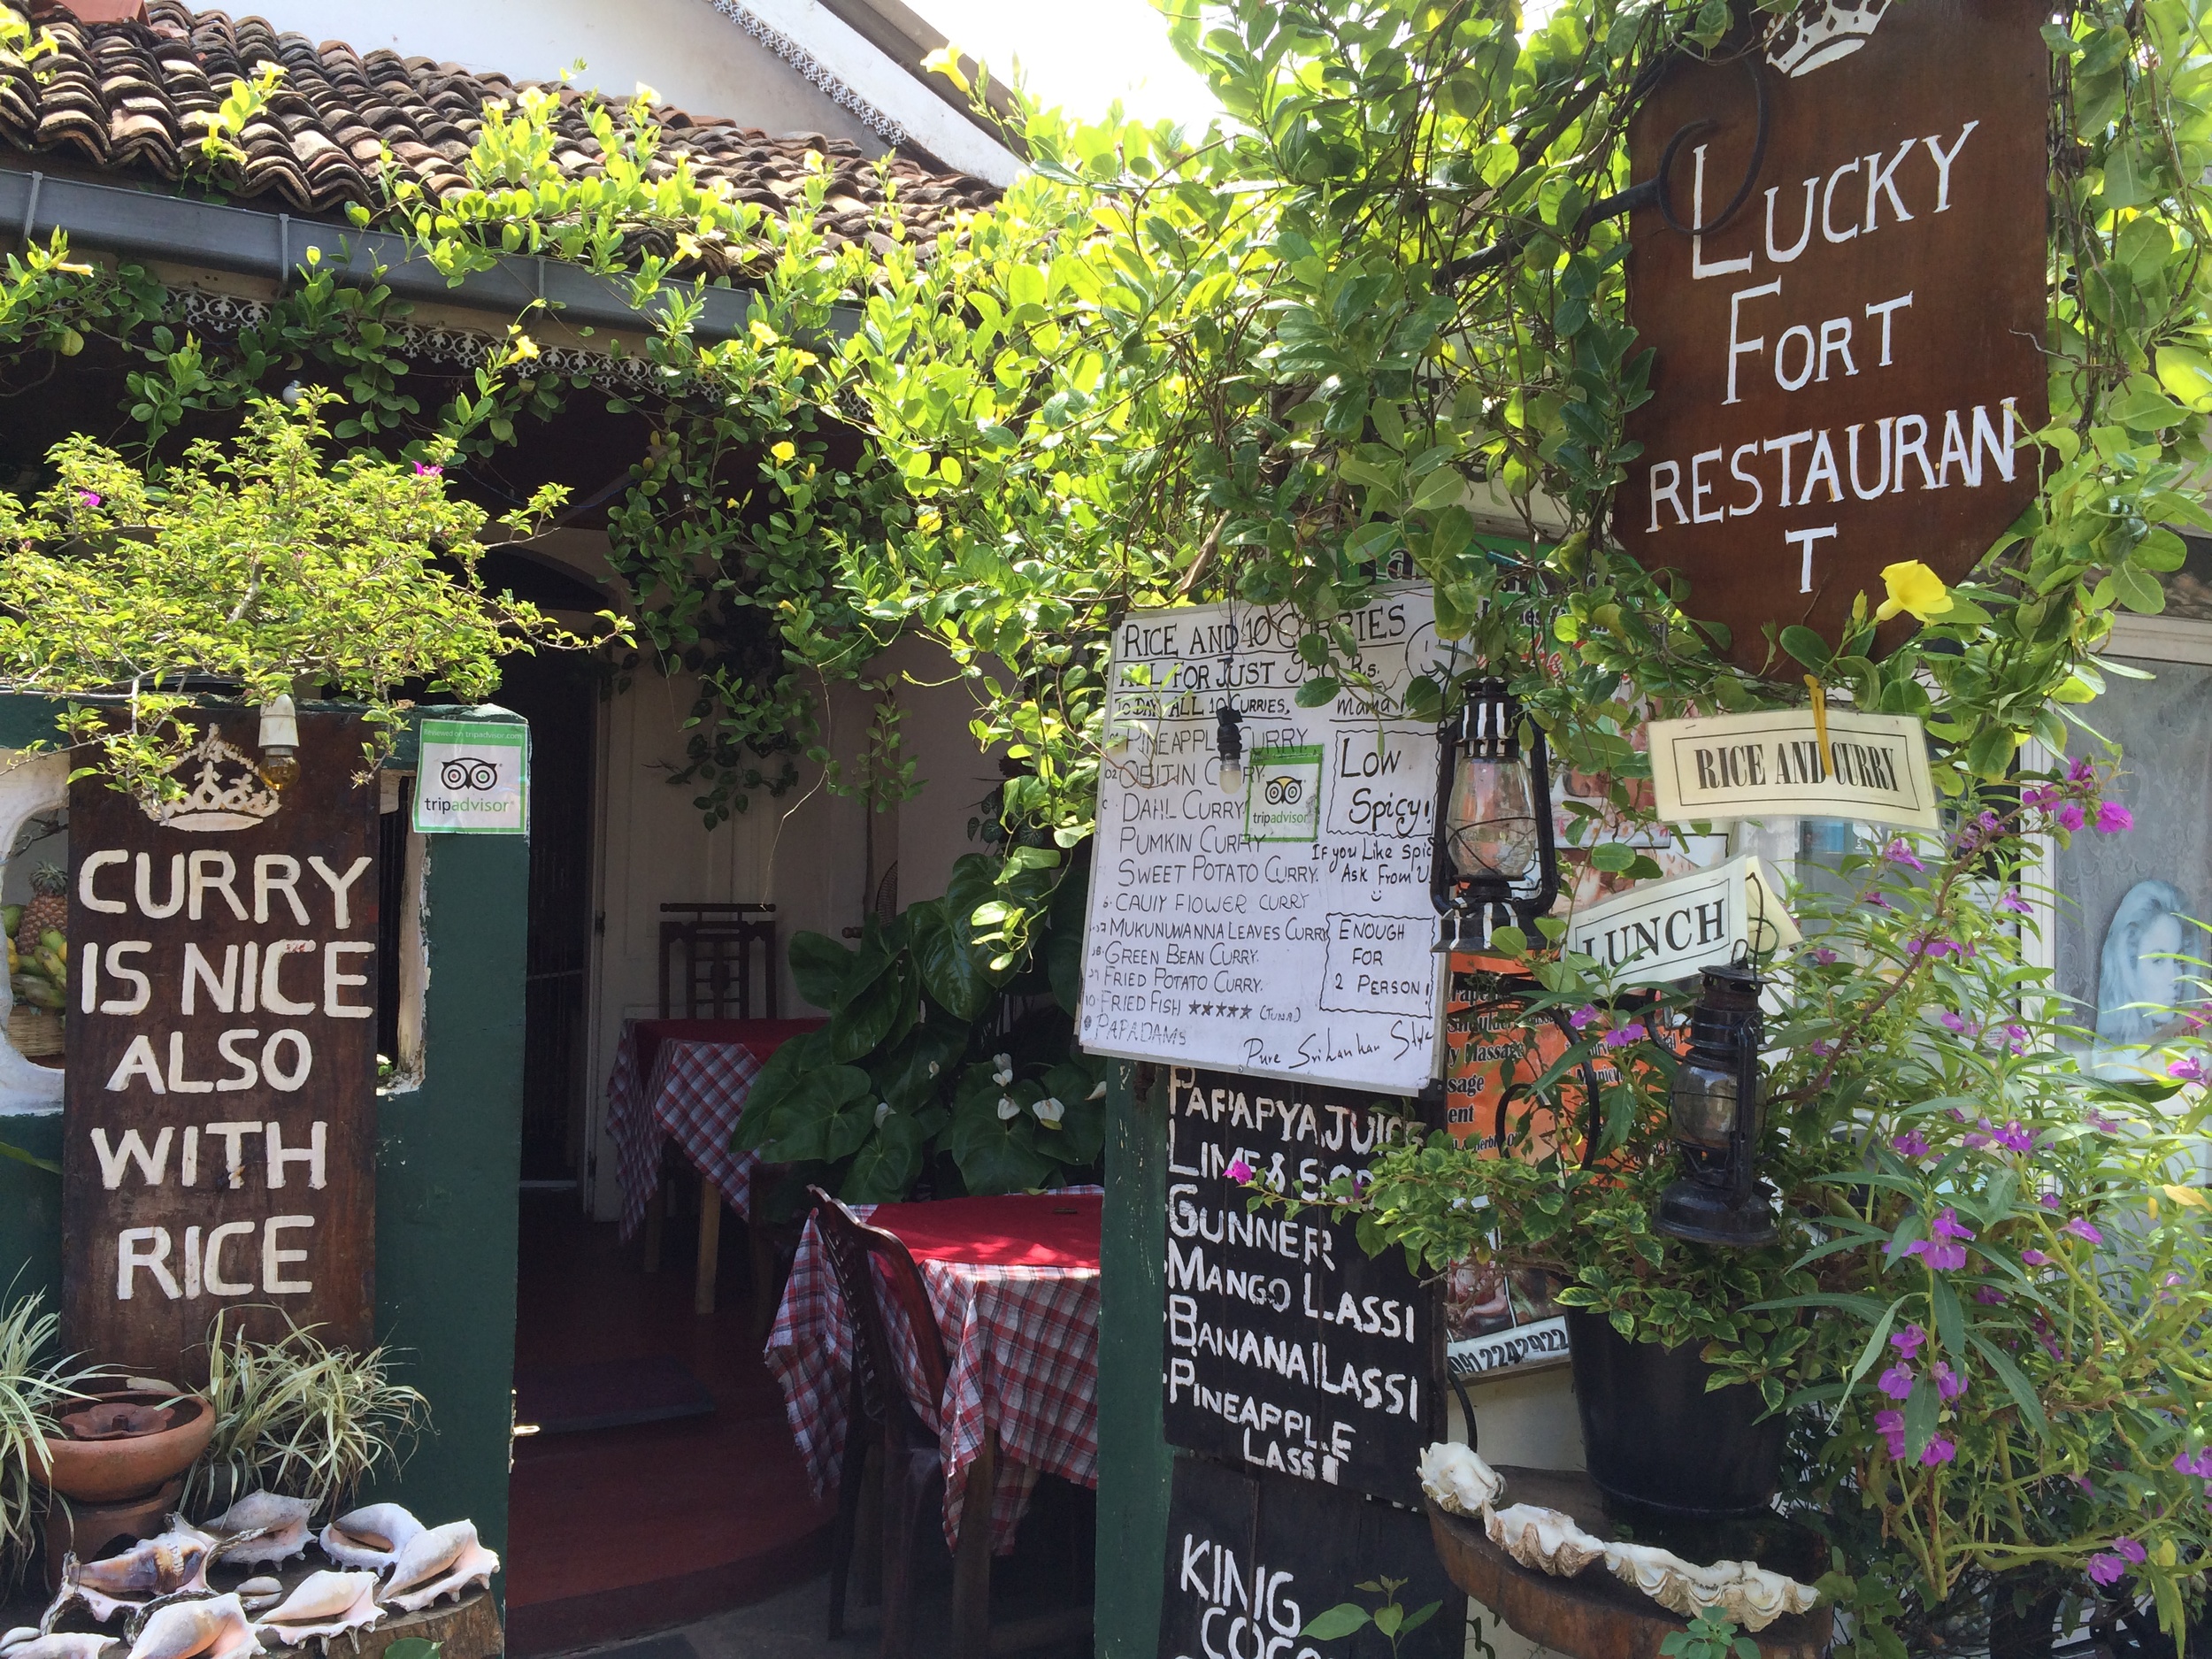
(2106, 1568)
(1908, 1340)
(1950, 1021)
(1979, 1139)
(2201, 1465)
(2015, 1139)
(424, 469)
(1822, 1047)
(2189, 1071)
(2083, 1482)
(1822, 955)
(2035, 1258)
(1625, 1035)
(1877, 901)
(1896, 1382)
(2130, 1549)
(1891, 1426)
(1949, 1383)
(2102, 1124)
(2070, 817)
(2017, 905)
(2112, 818)
(2049, 1201)
(1938, 1451)
(1989, 1296)
(1944, 1258)
(1911, 1144)
(1897, 853)
(88, 498)
(1946, 1225)
(2082, 1227)
(2018, 1034)
(1937, 949)
(1239, 1172)
(2041, 797)
(1582, 1017)
(2081, 771)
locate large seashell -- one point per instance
(172, 1564)
(70, 1645)
(1543, 1539)
(1458, 1479)
(260, 1593)
(262, 1527)
(444, 1561)
(325, 1604)
(370, 1538)
(17, 1637)
(1749, 1594)
(215, 1628)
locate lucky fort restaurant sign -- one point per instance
(1847, 362)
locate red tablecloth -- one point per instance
(1024, 1342)
(687, 1078)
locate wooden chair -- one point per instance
(913, 1468)
(707, 960)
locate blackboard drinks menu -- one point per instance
(1290, 1350)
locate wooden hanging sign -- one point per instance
(1872, 767)
(219, 1106)
(1847, 364)
(1661, 931)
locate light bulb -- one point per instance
(279, 739)
(1233, 776)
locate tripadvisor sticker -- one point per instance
(1282, 800)
(472, 779)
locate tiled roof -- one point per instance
(119, 95)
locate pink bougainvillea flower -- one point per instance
(2041, 797)
(1897, 853)
(2080, 771)
(2070, 817)
(2082, 1227)
(2035, 1258)
(1938, 1451)
(1621, 1037)
(89, 498)
(424, 469)
(1908, 1340)
(1912, 1144)
(2189, 1071)
(1239, 1172)
(2112, 818)
(1583, 1016)
(1896, 1382)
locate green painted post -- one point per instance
(1134, 1466)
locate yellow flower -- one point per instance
(928, 521)
(785, 451)
(1913, 586)
(761, 331)
(525, 347)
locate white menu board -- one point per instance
(1283, 930)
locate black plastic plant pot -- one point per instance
(1655, 1439)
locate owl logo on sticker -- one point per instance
(469, 772)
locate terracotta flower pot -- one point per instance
(143, 1441)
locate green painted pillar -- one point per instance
(1134, 1466)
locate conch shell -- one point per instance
(212, 1628)
(29, 1644)
(370, 1538)
(1543, 1539)
(1748, 1593)
(172, 1564)
(258, 1594)
(444, 1561)
(325, 1604)
(262, 1527)
(1458, 1479)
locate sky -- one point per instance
(1080, 54)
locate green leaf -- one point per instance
(1318, 692)
(413, 1647)
(956, 974)
(884, 1168)
(1921, 1407)
(824, 1118)
(1336, 1623)
(917, 1070)
(880, 1013)
(2015, 1382)
(20, 1157)
(996, 1155)
(789, 1067)
(1950, 1319)
(1808, 647)
(818, 966)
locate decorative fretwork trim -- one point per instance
(812, 71)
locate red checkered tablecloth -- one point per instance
(1024, 1342)
(695, 1094)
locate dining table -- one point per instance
(1013, 1282)
(686, 1080)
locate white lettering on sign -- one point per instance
(1211, 946)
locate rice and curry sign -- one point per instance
(219, 1108)
(1848, 359)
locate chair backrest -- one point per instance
(852, 1245)
(712, 949)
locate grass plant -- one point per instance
(32, 1385)
(301, 1417)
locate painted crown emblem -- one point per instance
(229, 793)
(1821, 33)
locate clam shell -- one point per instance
(324, 1604)
(173, 1563)
(215, 1628)
(1749, 1594)
(1543, 1539)
(444, 1561)
(263, 1527)
(372, 1537)
(1458, 1479)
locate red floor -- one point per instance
(616, 1532)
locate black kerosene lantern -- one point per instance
(1493, 857)
(1719, 1198)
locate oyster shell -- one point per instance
(1543, 1539)
(370, 1538)
(262, 1527)
(444, 1561)
(325, 1604)
(212, 1628)
(1458, 1479)
(1752, 1596)
(173, 1563)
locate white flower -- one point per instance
(1007, 1110)
(1098, 1090)
(933, 1068)
(1004, 1073)
(883, 1110)
(1049, 1112)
